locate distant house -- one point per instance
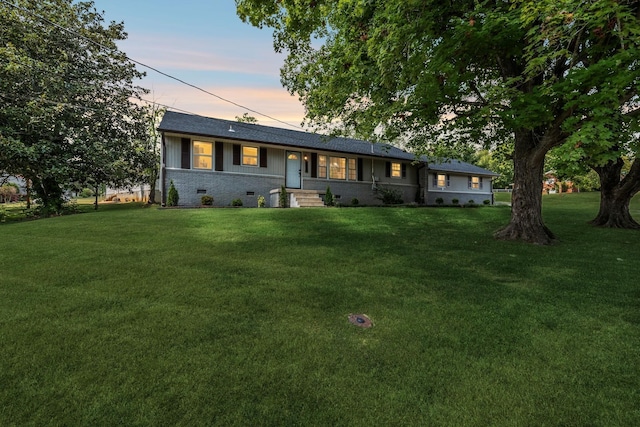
(552, 184)
(137, 193)
(17, 181)
(231, 160)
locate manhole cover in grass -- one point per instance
(360, 320)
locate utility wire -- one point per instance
(43, 19)
(254, 127)
(238, 124)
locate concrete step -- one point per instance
(306, 199)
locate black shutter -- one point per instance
(186, 154)
(481, 183)
(314, 165)
(263, 157)
(470, 184)
(404, 170)
(236, 154)
(360, 169)
(387, 169)
(219, 156)
(448, 180)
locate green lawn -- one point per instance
(145, 316)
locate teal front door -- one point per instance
(293, 172)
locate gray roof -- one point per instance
(205, 126)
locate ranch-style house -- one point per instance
(231, 160)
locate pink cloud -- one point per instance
(273, 102)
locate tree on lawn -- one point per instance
(616, 193)
(67, 112)
(616, 166)
(477, 72)
(151, 154)
(604, 128)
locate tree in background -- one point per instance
(8, 191)
(567, 168)
(246, 118)
(530, 72)
(67, 111)
(499, 160)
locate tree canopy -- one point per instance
(439, 73)
(68, 112)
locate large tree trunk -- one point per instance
(50, 195)
(615, 195)
(526, 200)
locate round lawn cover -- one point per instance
(361, 320)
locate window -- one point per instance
(475, 182)
(250, 156)
(396, 170)
(202, 155)
(322, 166)
(337, 168)
(353, 172)
(442, 180)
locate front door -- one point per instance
(294, 163)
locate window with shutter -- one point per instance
(250, 156)
(202, 155)
(474, 182)
(396, 170)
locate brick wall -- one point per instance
(223, 186)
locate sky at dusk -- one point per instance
(204, 43)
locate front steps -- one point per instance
(305, 199)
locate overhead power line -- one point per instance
(70, 31)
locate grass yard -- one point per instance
(144, 316)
